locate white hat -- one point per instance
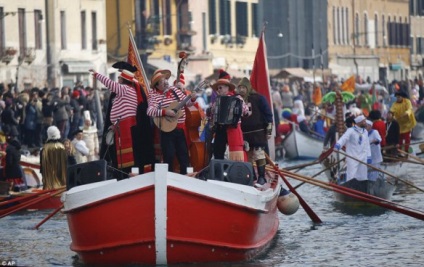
(355, 111)
(359, 118)
(87, 115)
(209, 91)
(53, 133)
(369, 122)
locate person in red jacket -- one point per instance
(379, 125)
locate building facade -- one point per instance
(215, 33)
(369, 38)
(51, 43)
(296, 34)
(417, 37)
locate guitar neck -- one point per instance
(182, 103)
(185, 100)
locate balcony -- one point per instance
(27, 56)
(8, 54)
(186, 32)
(230, 41)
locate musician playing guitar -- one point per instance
(173, 141)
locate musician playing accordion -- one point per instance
(256, 127)
(226, 114)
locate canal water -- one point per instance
(345, 238)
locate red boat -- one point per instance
(167, 218)
(29, 194)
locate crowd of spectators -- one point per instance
(25, 116)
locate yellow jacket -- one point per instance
(404, 115)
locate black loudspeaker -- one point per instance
(86, 173)
(231, 171)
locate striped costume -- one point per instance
(172, 143)
(123, 114)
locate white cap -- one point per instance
(369, 122)
(87, 115)
(359, 118)
(53, 133)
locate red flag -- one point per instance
(259, 78)
(134, 59)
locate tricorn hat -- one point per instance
(122, 65)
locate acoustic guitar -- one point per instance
(166, 123)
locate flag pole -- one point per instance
(259, 78)
(143, 72)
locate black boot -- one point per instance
(261, 175)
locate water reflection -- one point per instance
(358, 208)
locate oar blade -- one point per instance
(314, 217)
(358, 195)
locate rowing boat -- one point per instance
(298, 145)
(163, 217)
(378, 183)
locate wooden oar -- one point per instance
(360, 195)
(412, 156)
(300, 166)
(395, 146)
(380, 170)
(320, 113)
(26, 197)
(48, 217)
(401, 159)
(29, 203)
(302, 202)
(318, 173)
(312, 181)
(17, 199)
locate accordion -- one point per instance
(227, 110)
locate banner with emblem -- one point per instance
(134, 59)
